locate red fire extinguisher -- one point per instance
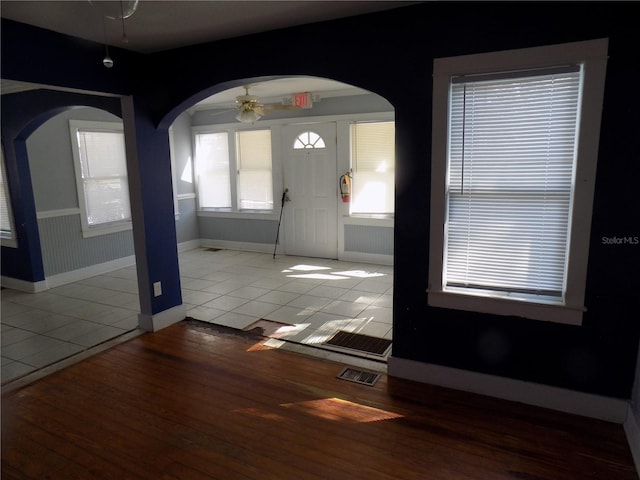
(345, 187)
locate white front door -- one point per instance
(310, 216)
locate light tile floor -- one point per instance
(314, 297)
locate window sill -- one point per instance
(540, 310)
(106, 229)
(9, 242)
(379, 220)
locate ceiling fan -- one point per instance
(252, 109)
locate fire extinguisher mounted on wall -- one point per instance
(345, 187)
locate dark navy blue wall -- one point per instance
(394, 57)
(152, 211)
(35, 55)
(599, 356)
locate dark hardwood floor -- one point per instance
(199, 402)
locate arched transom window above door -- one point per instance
(308, 139)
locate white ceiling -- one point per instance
(160, 25)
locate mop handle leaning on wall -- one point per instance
(284, 198)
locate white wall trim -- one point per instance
(153, 323)
(353, 117)
(185, 196)
(91, 271)
(370, 220)
(246, 246)
(63, 212)
(360, 257)
(564, 400)
(188, 245)
(24, 285)
(240, 215)
(632, 429)
(9, 242)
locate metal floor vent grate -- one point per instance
(359, 342)
(359, 376)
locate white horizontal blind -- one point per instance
(373, 165)
(509, 185)
(103, 167)
(255, 186)
(212, 170)
(6, 227)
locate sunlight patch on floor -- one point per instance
(305, 268)
(339, 410)
(318, 276)
(360, 274)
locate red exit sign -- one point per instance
(302, 100)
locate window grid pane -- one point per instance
(373, 164)
(308, 140)
(255, 190)
(212, 170)
(511, 161)
(104, 173)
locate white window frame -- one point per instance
(592, 55)
(174, 179)
(389, 175)
(105, 228)
(8, 236)
(234, 210)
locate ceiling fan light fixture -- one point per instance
(248, 116)
(107, 61)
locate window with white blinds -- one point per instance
(101, 176)
(373, 167)
(6, 214)
(234, 170)
(212, 170)
(255, 185)
(512, 146)
(515, 139)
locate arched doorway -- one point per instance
(80, 308)
(356, 295)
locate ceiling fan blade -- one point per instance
(226, 106)
(222, 112)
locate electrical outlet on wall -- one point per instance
(157, 289)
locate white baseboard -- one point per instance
(632, 429)
(231, 245)
(189, 245)
(68, 277)
(91, 271)
(153, 323)
(23, 285)
(564, 400)
(360, 257)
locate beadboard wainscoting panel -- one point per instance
(368, 239)
(64, 249)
